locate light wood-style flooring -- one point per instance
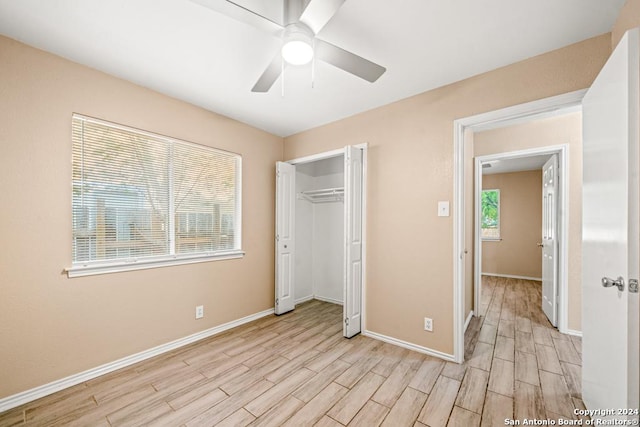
(298, 370)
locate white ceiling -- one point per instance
(181, 49)
(519, 164)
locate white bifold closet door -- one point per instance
(285, 237)
(353, 219)
(353, 187)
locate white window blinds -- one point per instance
(142, 197)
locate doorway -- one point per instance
(610, 344)
(466, 267)
(320, 213)
(525, 244)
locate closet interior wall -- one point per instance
(319, 239)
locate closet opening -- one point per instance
(319, 222)
(319, 233)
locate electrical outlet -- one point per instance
(428, 324)
(199, 311)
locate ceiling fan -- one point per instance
(301, 21)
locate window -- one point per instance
(142, 200)
(490, 215)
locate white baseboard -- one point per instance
(573, 332)
(304, 299)
(326, 299)
(52, 387)
(466, 322)
(512, 276)
(319, 298)
(410, 346)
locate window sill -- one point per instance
(105, 268)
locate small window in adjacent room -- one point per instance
(490, 215)
(142, 200)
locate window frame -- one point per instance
(94, 267)
(499, 234)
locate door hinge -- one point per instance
(277, 301)
(277, 237)
(346, 321)
(633, 286)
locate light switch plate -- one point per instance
(443, 208)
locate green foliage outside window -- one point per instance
(490, 214)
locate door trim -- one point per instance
(486, 121)
(562, 151)
(336, 153)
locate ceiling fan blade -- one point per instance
(347, 61)
(269, 76)
(319, 12)
(242, 14)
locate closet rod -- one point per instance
(322, 195)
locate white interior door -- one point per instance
(353, 188)
(610, 232)
(285, 236)
(549, 239)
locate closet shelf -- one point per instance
(322, 196)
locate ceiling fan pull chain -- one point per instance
(313, 63)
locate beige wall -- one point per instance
(565, 129)
(410, 249)
(52, 326)
(628, 18)
(516, 253)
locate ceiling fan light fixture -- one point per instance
(297, 52)
(297, 47)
